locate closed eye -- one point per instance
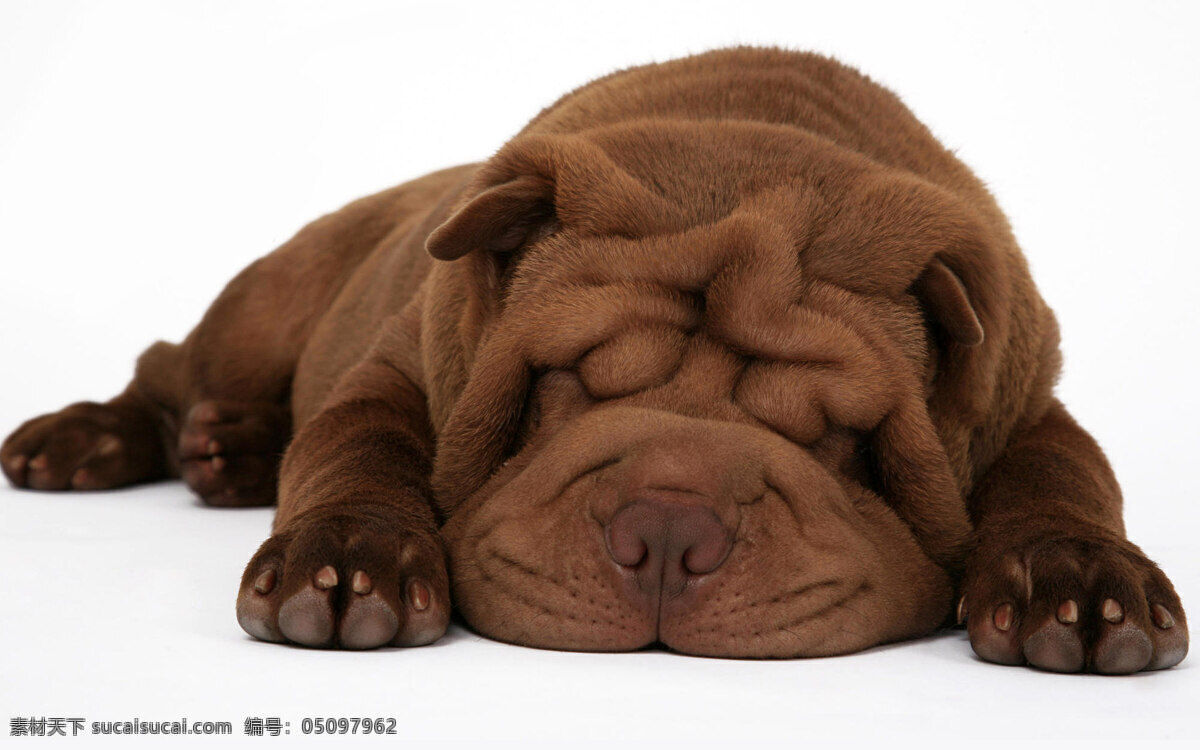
(556, 398)
(783, 397)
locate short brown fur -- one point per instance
(725, 353)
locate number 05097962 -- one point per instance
(353, 725)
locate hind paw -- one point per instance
(86, 446)
(229, 451)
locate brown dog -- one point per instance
(726, 353)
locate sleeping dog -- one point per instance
(726, 354)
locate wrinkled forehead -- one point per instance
(752, 227)
(736, 277)
(699, 173)
(702, 197)
(797, 270)
(660, 177)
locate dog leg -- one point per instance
(1053, 582)
(212, 410)
(356, 560)
(227, 386)
(88, 446)
(229, 451)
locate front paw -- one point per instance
(1071, 602)
(354, 577)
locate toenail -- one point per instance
(1112, 611)
(326, 577)
(418, 595)
(265, 582)
(1068, 612)
(1162, 617)
(39, 462)
(205, 413)
(218, 463)
(1003, 617)
(108, 445)
(961, 614)
(80, 478)
(17, 463)
(360, 582)
(213, 447)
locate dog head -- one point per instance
(680, 374)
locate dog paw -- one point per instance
(229, 451)
(352, 578)
(1089, 602)
(86, 446)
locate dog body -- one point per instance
(726, 353)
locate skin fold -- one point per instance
(726, 354)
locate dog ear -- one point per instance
(498, 220)
(942, 294)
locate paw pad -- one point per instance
(1070, 605)
(367, 587)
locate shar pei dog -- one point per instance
(725, 354)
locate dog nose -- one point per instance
(665, 543)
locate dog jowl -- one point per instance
(726, 354)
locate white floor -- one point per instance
(150, 150)
(120, 606)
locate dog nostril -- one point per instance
(668, 537)
(624, 536)
(625, 545)
(707, 554)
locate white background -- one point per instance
(150, 150)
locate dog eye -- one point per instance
(863, 465)
(781, 396)
(633, 361)
(556, 397)
(527, 425)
